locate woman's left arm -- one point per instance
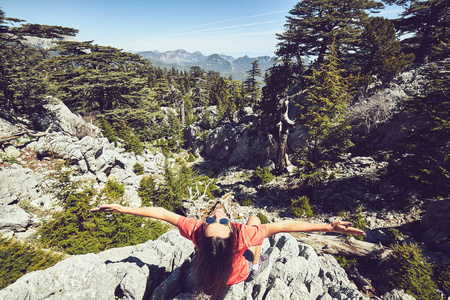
(298, 226)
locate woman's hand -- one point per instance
(345, 228)
(109, 208)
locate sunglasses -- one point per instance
(223, 221)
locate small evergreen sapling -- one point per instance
(263, 175)
(409, 270)
(300, 207)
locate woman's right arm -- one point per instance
(150, 212)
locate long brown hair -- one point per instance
(214, 263)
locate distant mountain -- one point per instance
(224, 64)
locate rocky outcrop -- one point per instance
(16, 184)
(55, 113)
(26, 179)
(161, 269)
(235, 143)
(436, 223)
(397, 295)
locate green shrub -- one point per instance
(205, 181)
(11, 160)
(300, 207)
(262, 218)
(131, 141)
(147, 190)
(109, 132)
(347, 263)
(357, 219)
(247, 202)
(395, 234)
(138, 169)
(312, 174)
(191, 158)
(17, 259)
(206, 121)
(114, 190)
(77, 231)
(441, 276)
(408, 269)
(263, 175)
(203, 135)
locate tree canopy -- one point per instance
(425, 27)
(21, 86)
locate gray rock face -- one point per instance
(58, 114)
(234, 144)
(397, 295)
(16, 182)
(436, 222)
(97, 159)
(6, 127)
(161, 270)
(13, 218)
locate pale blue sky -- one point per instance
(228, 27)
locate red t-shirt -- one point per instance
(249, 235)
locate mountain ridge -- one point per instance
(225, 64)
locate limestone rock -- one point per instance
(6, 127)
(57, 113)
(12, 151)
(78, 277)
(161, 269)
(397, 295)
(14, 218)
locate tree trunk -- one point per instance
(26, 131)
(284, 125)
(341, 245)
(182, 116)
(281, 153)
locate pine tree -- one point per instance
(313, 24)
(277, 81)
(225, 105)
(380, 50)
(199, 87)
(22, 85)
(97, 78)
(109, 132)
(323, 116)
(251, 84)
(162, 90)
(425, 26)
(131, 141)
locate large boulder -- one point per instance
(59, 116)
(17, 183)
(13, 218)
(161, 269)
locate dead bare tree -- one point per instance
(23, 132)
(341, 245)
(283, 125)
(196, 194)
